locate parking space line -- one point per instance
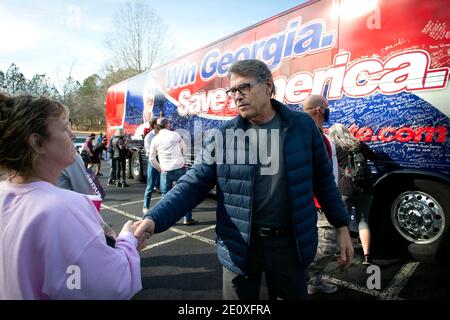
(401, 278)
(195, 236)
(183, 233)
(127, 203)
(133, 202)
(379, 294)
(206, 240)
(163, 242)
(129, 215)
(204, 229)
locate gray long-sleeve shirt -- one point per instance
(75, 178)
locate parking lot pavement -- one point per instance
(181, 263)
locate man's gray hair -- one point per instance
(254, 68)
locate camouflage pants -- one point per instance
(326, 250)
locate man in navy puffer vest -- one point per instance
(266, 217)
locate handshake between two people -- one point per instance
(142, 230)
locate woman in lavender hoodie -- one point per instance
(52, 244)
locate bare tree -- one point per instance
(67, 85)
(138, 39)
(68, 88)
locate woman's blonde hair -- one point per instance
(342, 137)
(21, 116)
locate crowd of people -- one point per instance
(266, 223)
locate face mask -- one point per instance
(326, 115)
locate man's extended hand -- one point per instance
(346, 247)
(144, 229)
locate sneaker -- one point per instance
(118, 184)
(110, 182)
(155, 189)
(367, 260)
(124, 184)
(323, 287)
(190, 222)
(144, 210)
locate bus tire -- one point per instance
(411, 217)
(432, 250)
(136, 167)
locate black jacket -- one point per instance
(346, 187)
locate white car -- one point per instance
(79, 142)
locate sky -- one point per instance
(58, 37)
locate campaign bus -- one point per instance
(384, 68)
